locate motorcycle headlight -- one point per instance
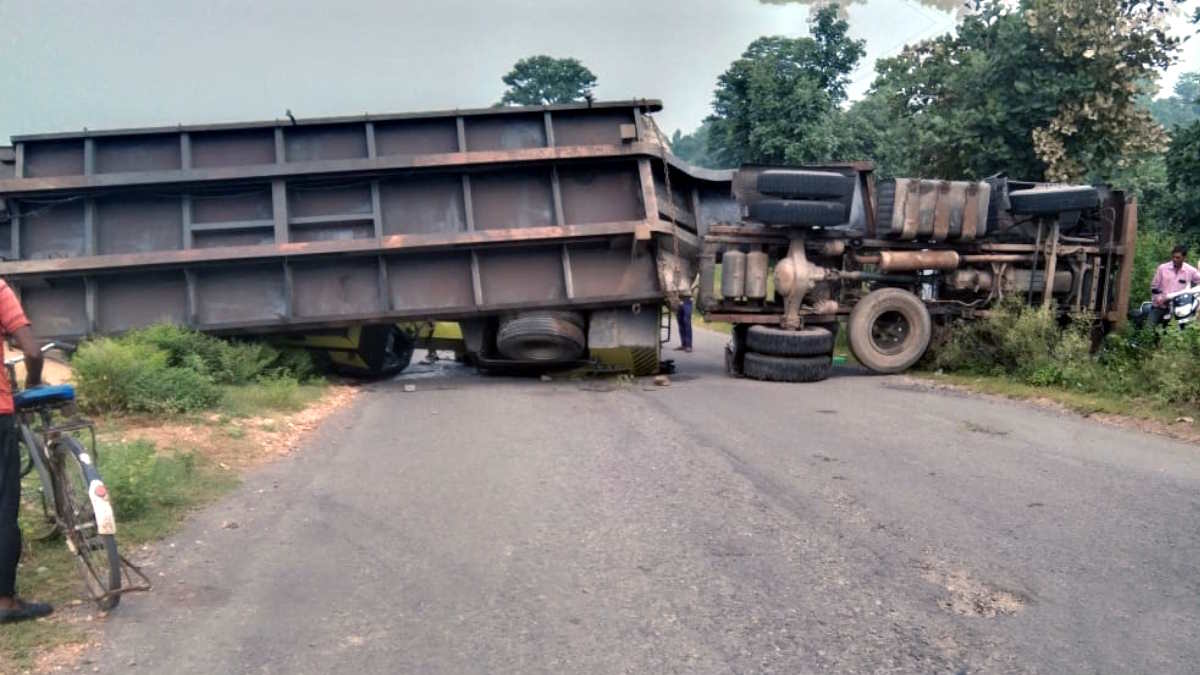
(1185, 300)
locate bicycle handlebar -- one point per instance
(44, 348)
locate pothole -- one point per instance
(972, 597)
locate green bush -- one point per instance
(141, 481)
(166, 369)
(1030, 346)
(224, 361)
(128, 376)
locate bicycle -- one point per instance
(75, 502)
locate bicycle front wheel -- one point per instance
(90, 538)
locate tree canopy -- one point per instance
(542, 80)
(1046, 88)
(776, 103)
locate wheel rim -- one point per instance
(88, 544)
(890, 331)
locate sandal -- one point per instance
(25, 611)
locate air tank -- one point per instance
(756, 275)
(733, 275)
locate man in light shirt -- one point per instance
(1173, 275)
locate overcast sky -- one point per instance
(122, 63)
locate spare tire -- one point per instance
(890, 330)
(546, 337)
(797, 212)
(1051, 200)
(782, 342)
(787, 369)
(797, 184)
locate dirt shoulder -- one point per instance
(1176, 425)
(223, 444)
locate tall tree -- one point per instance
(542, 80)
(777, 102)
(1043, 88)
(1183, 179)
(1182, 108)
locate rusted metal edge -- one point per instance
(17, 187)
(298, 324)
(647, 104)
(397, 243)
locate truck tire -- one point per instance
(795, 184)
(548, 337)
(890, 330)
(384, 348)
(1049, 201)
(797, 212)
(780, 342)
(787, 369)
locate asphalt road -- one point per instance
(717, 525)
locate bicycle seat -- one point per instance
(43, 396)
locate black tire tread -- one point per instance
(542, 325)
(779, 342)
(787, 369)
(789, 212)
(1047, 201)
(805, 184)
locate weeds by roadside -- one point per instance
(205, 401)
(1135, 371)
(165, 369)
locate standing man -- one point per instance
(1173, 275)
(684, 316)
(13, 324)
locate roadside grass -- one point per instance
(280, 394)
(152, 490)
(171, 407)
(1082, 402)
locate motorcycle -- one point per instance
(1182, 305)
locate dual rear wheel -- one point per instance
(889, 331)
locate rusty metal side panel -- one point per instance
(331, 288)
(506, 133)
(522, 276)
(53, 158)
(600, 193)
(423, 204)
(126, 302)
(239, 204)
(240, 293)
(515, 198)
(138, 224)
(607, 269)
(432, 281)
(119, 154)
(56, 308)
(232, 148)
(1129, 228)
(306, 144)
(51, 231)
(222, 239)
(417, 137)
(590, 127)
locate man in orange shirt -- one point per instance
(13, 324)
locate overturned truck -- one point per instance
(553, 236)
(541, 231)
(899, 260)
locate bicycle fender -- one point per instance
(106, 521)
